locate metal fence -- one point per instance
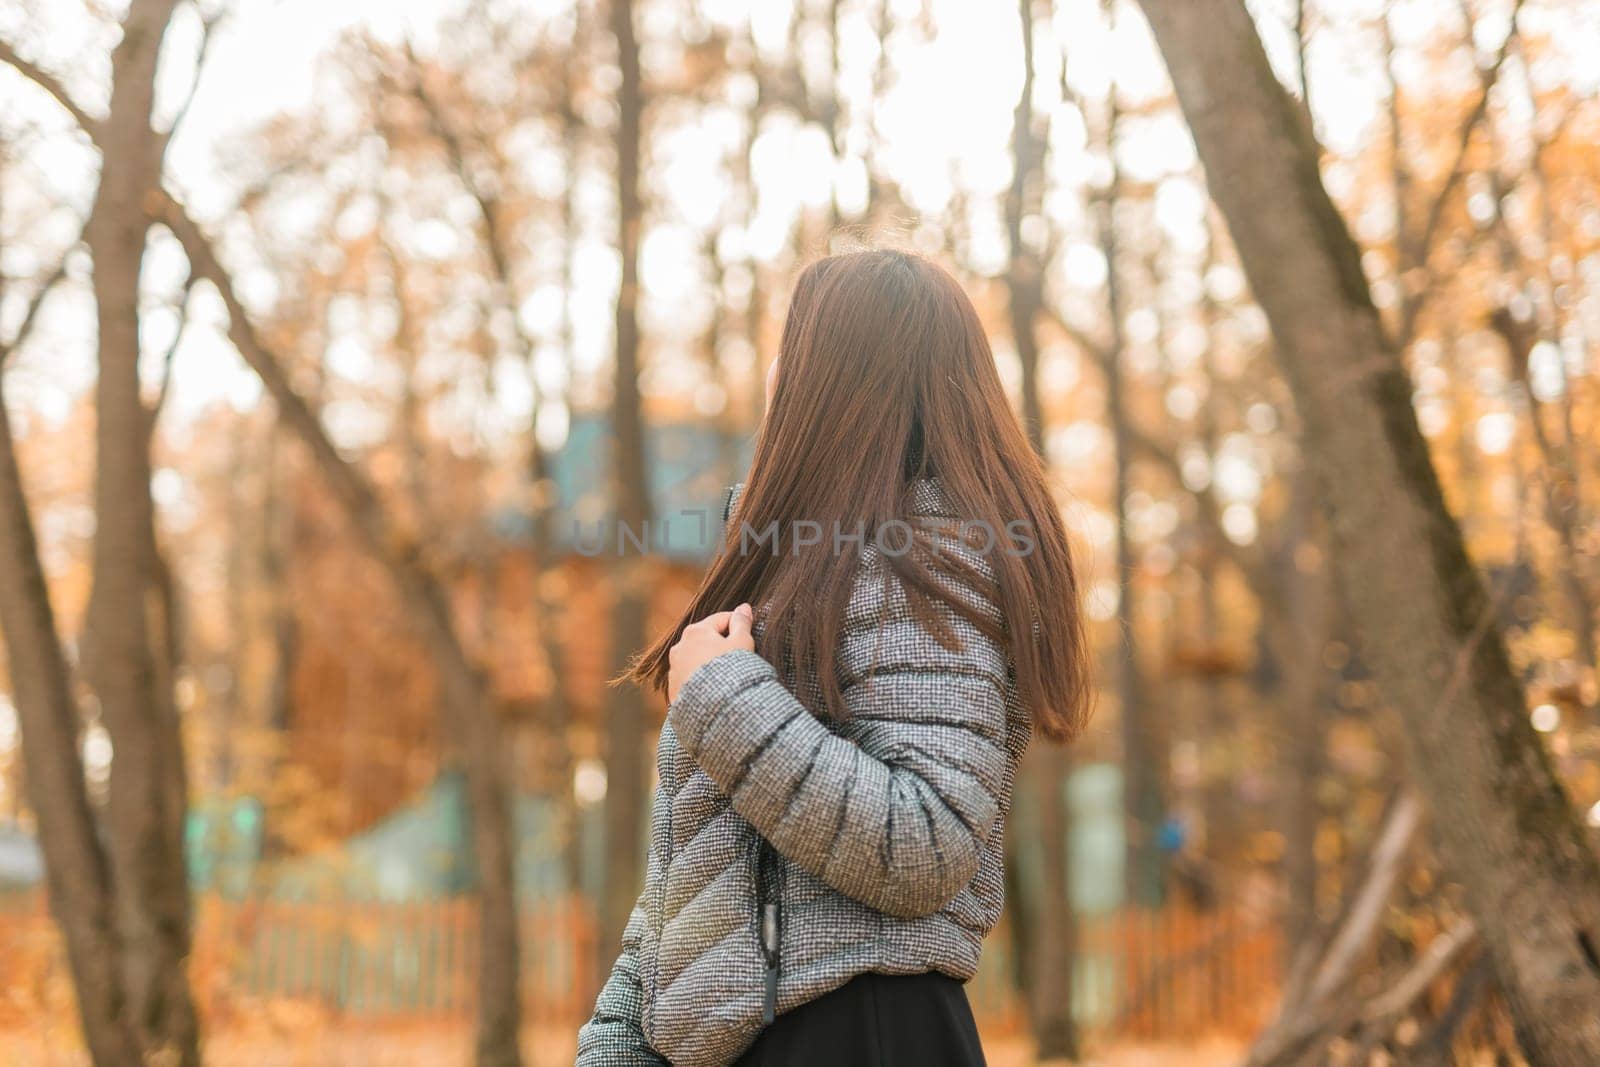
(1172, 974)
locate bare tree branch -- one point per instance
(1302, 38)
(1394, 841)
(1303, 1017)
(31, 315)
(1433, 1048)
(497, 240)
(1399, 170)
(1379, 1016)
(1414, 253)
(467, 707)
(1096, 348)
(1163, 455)
(1507, 829)
(165, 388)
(1488, 78)
(1440, 953)
(52, 85)
(1368, 1022)
(208, 28)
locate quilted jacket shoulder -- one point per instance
(888, 826)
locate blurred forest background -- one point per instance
(332, 333)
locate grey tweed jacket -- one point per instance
(789, 853)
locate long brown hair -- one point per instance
(884, 377)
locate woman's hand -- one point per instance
(705, 640)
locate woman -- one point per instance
(892, 613)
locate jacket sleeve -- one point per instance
(614, 1034)
(895, 815)
(612, 1037)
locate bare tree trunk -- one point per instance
(1220, 799)
(558, 705)
(500, 243)
(1506, 830)
(224, 760)
(128, 656)
(1050, 955)
(1309, 617)
(132, 983)
(77, 871)
(830, 114)
(1025, 275)
(1303, 671)
(1560, 485)
(1019, 921)
(1054, 953)
(471, 718)
(279, 522)
(626, 773)
(711, 342)
(1143, 762)
(744, 177)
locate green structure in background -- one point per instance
(421, 852)
(375, 926)
(223, 840)
(1099, 844)
(1096, 853)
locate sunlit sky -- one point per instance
(943, 125)
(945, 122)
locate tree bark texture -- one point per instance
(470, 717)
(626, 771)
(129, 657)
(1048, 960)
(1505, 827)
(77, 870)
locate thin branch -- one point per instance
(1394, 841)
(498, 241)
(1422, 246)
(1488, 78)
(487, 200)
(208, 27)
(1381, 1013)
(1149, 447)
(354, 491)
(30, 317)
(1399, 171)
(1302, 35)
(1440, 953)
(1303, 1018)
(1289, 1036)
(52, 85)
(1434, 1045)
(160, 400)
(1095, 348)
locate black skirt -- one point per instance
(875, 1020)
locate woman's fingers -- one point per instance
(735, 624)
(706, 639)
(717, 623)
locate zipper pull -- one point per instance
(769, 928)
(769, 942)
